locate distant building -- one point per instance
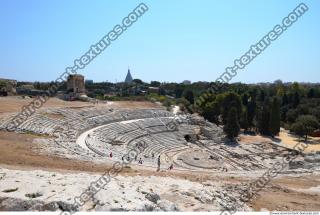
(128, 79)
(186, 82)
(7, 87)
(75, 84)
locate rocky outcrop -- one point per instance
(12, 204)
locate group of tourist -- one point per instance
(141, 161)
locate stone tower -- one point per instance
(128, 77)
(75, 84)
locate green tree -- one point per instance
(167, 103)
(232, 127)
(245, 99)
(230, 100)
(263, 118)
(244, 119)
(189, 96)
(296, 99)
(137, 81)
(275, 117)
(211, 111)
(311, 93)
(161, 92)
(178, 91)
(251, 111)
(209, 106)
(155, 84)
(262, 96)
(285, 100)
(305, 125)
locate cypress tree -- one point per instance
(229, 101)
(264, 118)
(244, 119)
(296, 99)
(232, 127)
(275, 117)
(189, 96)
(251, 111)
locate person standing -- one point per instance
(159, 162)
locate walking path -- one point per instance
(290, 140)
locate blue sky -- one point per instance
(173, 41)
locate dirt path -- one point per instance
(12, 104)
(15, 103)
(292, 140)
(282, 199)
(19, 150)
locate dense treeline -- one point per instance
(259, 108)
(262, 108)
